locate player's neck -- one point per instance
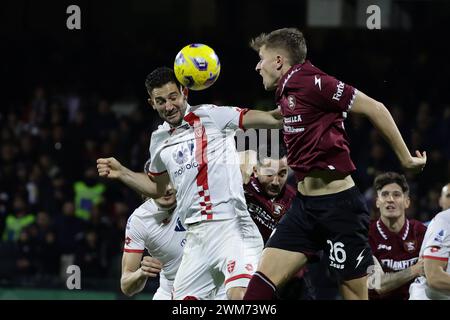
(394, 225)
(174, 126)
(163, 207)
(285, 68)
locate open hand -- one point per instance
(416, 164)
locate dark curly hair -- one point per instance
(388, 178)
(159, 77)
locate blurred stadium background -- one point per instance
(71, 96)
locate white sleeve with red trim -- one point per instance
(226, 117)
(437, 238)
(135, 235)
(156, 143)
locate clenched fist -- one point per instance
(109, 168)
(150, 266)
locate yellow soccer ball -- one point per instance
(197, 66)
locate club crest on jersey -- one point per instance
(181, 153)
(249, 267)
(410, 246)
(230, 266)
(291, 102)
(277, 209)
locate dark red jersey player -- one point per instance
(396, 251)
(267, 211)
(329, 212)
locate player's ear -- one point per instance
(280, 62)
(150, 102)
(184, 91)
(407, 202)
(255, 172)
(377, 202)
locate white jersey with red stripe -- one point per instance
(436, 246)
(201, 159)
(162, 234)
(219, 254)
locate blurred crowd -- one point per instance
(424, 128)
(54, 210)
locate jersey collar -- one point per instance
(288, 75)
(385, 232)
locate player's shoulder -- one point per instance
(443, 217)
(141, 214)
(253, 186)
(305, 77)
(162, 127)
(202, 111)
(311, 69)
(205, 110)
(290, 191)
(202, 108)
(417, 225)
(161, 132)
(373, 225)
(419, 228)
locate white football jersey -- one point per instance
(436, 245)
(161, 233)
(201, 159)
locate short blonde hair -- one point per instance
(289, 39)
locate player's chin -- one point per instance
(174, 119)
(273, 193)
(167, 202)
(393, 214)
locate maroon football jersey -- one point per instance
(314, 106)
(396, 251)
(265, 211)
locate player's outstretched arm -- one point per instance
(262, 119)
(136, 271)
(437, 277)
(383, 282)
(383, 121)
(111, 168)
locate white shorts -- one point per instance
(221, 252)
(417, 292)
(165, 288)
